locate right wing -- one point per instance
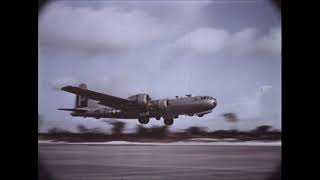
(104, 99)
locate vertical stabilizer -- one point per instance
(81, 101)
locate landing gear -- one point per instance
(143, 120)
(168, 121)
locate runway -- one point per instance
(139, 162)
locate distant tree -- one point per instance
(82, 129)
(57, 131)
(117, 127)
(263, 128)
(141, 130)
(159, 131)
(230, 117)
(95, 130)
(196, 130)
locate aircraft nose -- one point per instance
(213, 103)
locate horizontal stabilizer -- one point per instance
(74, 110)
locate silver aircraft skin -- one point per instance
(139, 106)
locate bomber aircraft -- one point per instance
(139, 106)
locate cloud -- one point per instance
(245, 42)
(204, 40)
(242, 42)
(107, 29)
(114, 27)
(174, 12)
(180, 13)
(271, 43)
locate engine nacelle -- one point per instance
(141, 99)
(162, 105)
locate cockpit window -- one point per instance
(206, 97)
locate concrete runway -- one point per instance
(138, 162)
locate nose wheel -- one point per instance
(168, 121)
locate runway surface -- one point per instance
(139, 162)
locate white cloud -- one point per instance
(114, 28)
(204, 40)
(244, 42)
(106, 29)
(271, 43)
(184, 14)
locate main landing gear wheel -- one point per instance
(143, 120)
(168, 121)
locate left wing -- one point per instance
(73, 110)
(104, 99)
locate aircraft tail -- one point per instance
(81, 101)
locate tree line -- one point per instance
(263, 132)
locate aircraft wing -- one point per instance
(73, 110)
(104, 99)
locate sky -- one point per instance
(230, 50)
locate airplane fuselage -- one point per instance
(175, 107)
(139, 106)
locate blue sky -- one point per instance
(230, 50)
